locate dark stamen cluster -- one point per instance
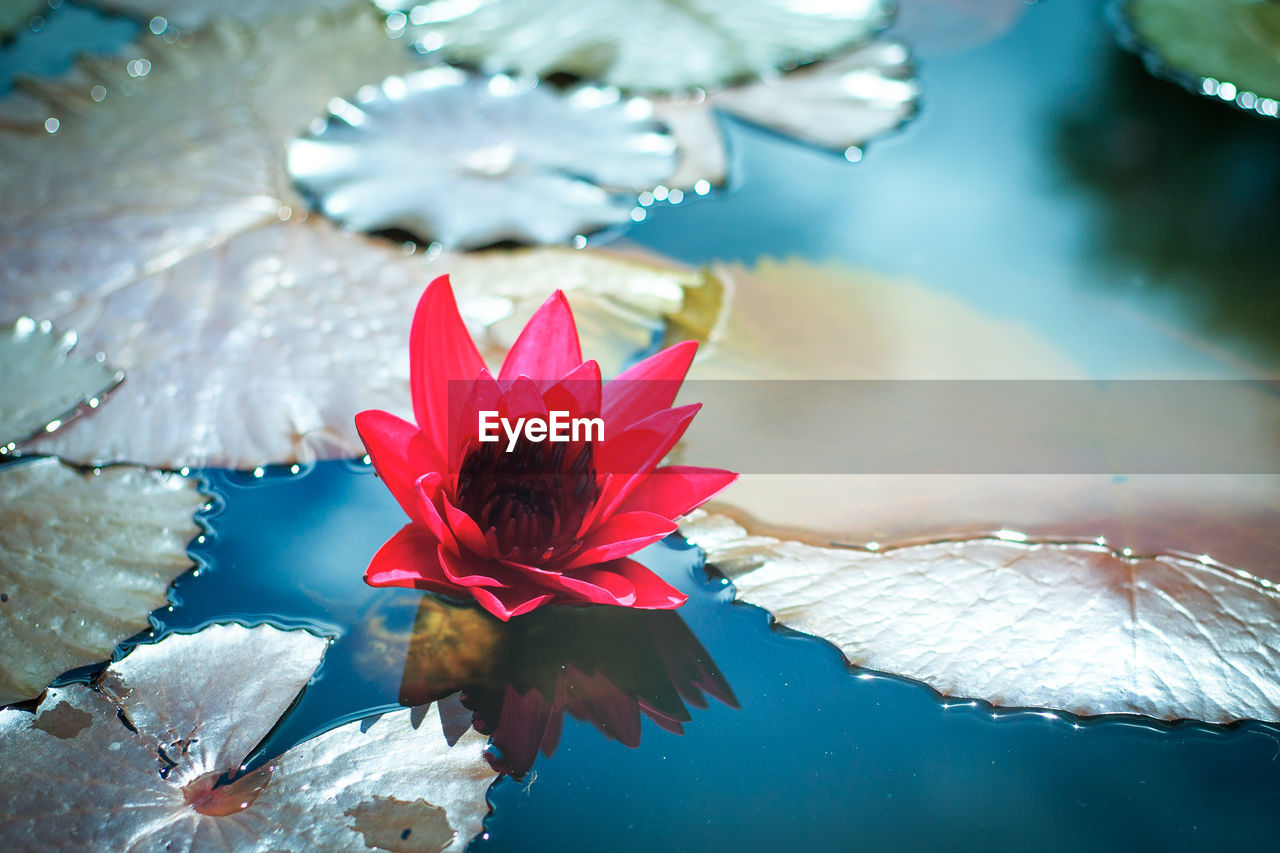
(534, 498)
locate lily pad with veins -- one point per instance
(1074, 627)
(467, 160)
(641, 45)
(139, 761)
(84, 559)
(44, 385)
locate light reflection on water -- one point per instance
(814, 752)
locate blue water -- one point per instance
(815, 753)
(1048, 179)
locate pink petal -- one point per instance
(620, 535)
(409, 559)
(440, 349)
(505, 603)
(521, 400)
(548, 345)
(579, 392)
(428, 491)
(676, 490)
(467, 571)
(400, 453)
(592, 586)
(483, 394)
(466, 530)
(647, 387)
(652, 592)
(630, 457)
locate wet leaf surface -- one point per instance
(84, 558)
(231, 322)
(165, 151)
(139, 762)
(648, 45)
(792, 320)
(1072, 627)
(259, 351)
(44, 384)
(468, 160)
(1233, 42)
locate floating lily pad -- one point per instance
(258, 352)
(84, 558)
(168, 149)
(796, 321)
(1073, 627)
(647, 45)
(149, 747)
(205, 279)
(1229, 49)
(467, 160)
(840, 105)
(45, 386)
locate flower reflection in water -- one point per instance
(606, 666)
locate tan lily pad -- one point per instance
(644, 45)
(44, 385)
(1073, 627)
(792, 320)
(84, 558)
(191, 707)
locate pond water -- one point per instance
(1048, 179)
(803, 753)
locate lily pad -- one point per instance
(467, 160)
(84, 558)
(44, 386)
(258, 352)
(205, 279)
(1073, 627)
(644, 45)
(1229, 49)
(839, 105)
(792, 320)
(166, 150)
(150, 744)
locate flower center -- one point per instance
(534, 498)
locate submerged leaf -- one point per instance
(1073, 627)
(191, 707)
(467, 160)
(84, 558)
(44, 386)
(647, 45)
(1229, 49)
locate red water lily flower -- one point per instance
(518, 524)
